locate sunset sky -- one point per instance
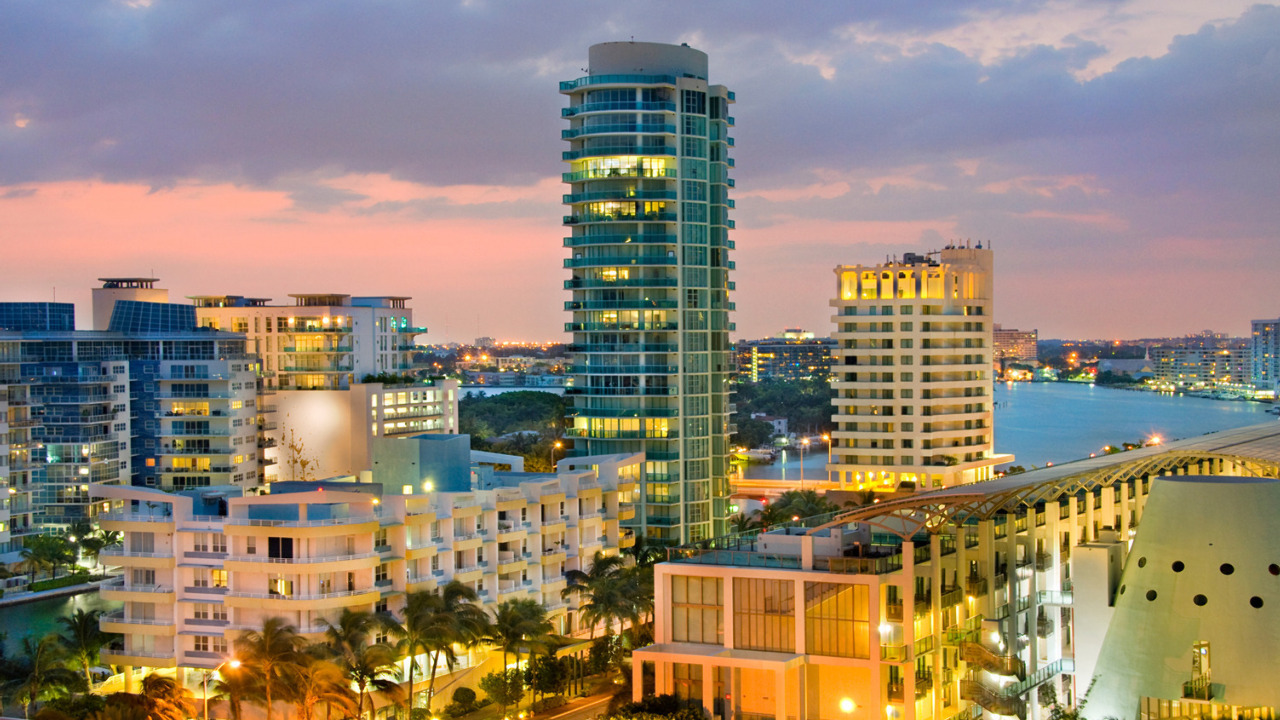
(1122, 157)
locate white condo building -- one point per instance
(913, 372)
(200, 567)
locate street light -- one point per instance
(554, 447)
(804, 443)
(826, 438)
(234, 663)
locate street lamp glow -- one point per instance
(846, 705)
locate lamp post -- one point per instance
(826, 438)
(804, 443)
(554, 447)
(233, 663)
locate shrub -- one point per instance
(464, 696)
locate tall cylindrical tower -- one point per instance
(649, 241)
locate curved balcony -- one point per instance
(624, 150)
(623, 348)
(623, 392)
(621, 194)
(618, 129)
(626, 106)
(588, 283)
(621, 327)
(624, 370)
(614, 173)
(639, 217)
(621, 239)
(636, 304)
(619, 261)
(629, 79)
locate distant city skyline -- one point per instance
(1120, 158)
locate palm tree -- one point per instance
(270, 655)
(43, 673)
(166, 699)
(83, 639)
(37, 554)
(434, 621)
(236, 686)
(742, 523)
(646, 552)
(319, 682)
(604, 591)
(346, 637)
(516, 623)
(374, 668)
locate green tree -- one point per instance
(83, 639)
(751, 433)
(373, 669)
(320, 682)
(42, 673)
(271, 655)
(235, 685)
(505, 687)
(605, 592)
(166, 699)
(517, 624)
(434, 622)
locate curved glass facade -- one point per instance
(649, 284)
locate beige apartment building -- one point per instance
(912, 372)
(979, 600)
(200, 567)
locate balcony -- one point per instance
(631, 106)
(625, 79)
(621, 195)
(626, 150)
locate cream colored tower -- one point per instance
(912, 372)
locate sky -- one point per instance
(1122, 157)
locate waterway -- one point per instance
(1056, 422)
(40, 617)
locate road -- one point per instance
(585, 708)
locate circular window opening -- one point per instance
(1151, 595)
(1255, 601)
(1227, 568)
(1274, 569)
(1200, 600)
(1142, 562)
(1178, 566)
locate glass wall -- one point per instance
(764, 615)
(697, 610)
(836, 620)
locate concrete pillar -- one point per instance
(709, 688)
(935, 544)
(802, 693)
(637, 679)
(780, 693)
(128, 679)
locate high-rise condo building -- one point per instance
(912, 372)
(151, 401)
(649, 286)
(1264, 356)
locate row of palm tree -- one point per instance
(791, 505)
(51, 552)
(360, 652)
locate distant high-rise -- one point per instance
(649, 285)
(1265, 355)
(912, 372)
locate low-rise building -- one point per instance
(976, 600)
(1193, 367)
(200, 567)
(1017, 346)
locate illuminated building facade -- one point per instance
(1021, 346)
(200, 568)
(1188, 367)
(913, 372)
(321, 341)
(975, 601)
(649, 276)
(1264, 358)
(151, 401)
(792, 355)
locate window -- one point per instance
(697, 610)
(764, 615)
(836, 620)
